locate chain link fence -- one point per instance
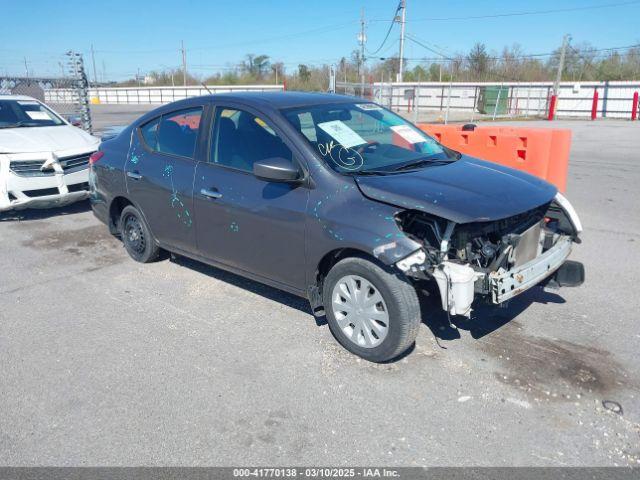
(67, 94)
(446, 102)
(475, 101)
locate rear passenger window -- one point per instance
(149, 132)
(174, 133)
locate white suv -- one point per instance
(44, 160)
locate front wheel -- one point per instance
(371, 312)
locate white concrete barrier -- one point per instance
(149, 95)
(524, 98)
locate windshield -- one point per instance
(366, 138)
(26, 113)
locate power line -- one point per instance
(438, 49)
(386, 37)
(522, 13)
(417, 42)
(531, 55)
(318, 30)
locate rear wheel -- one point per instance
(136, 236)
(371, 311)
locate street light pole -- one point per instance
(362, 38)
(403, 6)
(93, 60)
(184, 64)
(563, 51)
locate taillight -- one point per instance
(95, 156)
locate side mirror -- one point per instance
(74, 120)
(277, 169)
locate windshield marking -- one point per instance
(346, 158)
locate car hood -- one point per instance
(45, 139)
(467, 190)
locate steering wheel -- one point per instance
(367, 146)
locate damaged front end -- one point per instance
(495, 260)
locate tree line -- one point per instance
(583, 62)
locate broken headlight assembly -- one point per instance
(494, 259)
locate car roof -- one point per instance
(275, 100)
(288, 99)
(4, 96)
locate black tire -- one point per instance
(401, 300)
(138, 240)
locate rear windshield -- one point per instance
(26, 113)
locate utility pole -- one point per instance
(26, 68)
(93, 60)
(184, 63)
(362, 38)
(563, 51)
(61, 68)
(403, 6)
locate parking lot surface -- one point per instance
(107, 117)
(104, 361)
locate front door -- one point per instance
(249, 224)
(159, 173)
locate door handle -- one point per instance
(210, 193)
(134, 175)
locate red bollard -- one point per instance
(594, 105)
(284, 85)
(634, 108)
(552, 107)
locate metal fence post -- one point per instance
(495, 109)
(446, 115)
(332, 79)
(513, 110)
(416, 103)
(475, 103)
(82, 89)
(605, 97)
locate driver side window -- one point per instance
(242, 138)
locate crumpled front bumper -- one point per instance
(40, 191)
(504, 285)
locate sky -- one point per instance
(141, 35)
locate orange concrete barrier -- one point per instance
(543, 152)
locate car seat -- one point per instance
(172, 138)
(230, 146)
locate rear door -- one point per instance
(159, 173)
(249, 224)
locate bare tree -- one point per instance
(255, 65)
(478, 60)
